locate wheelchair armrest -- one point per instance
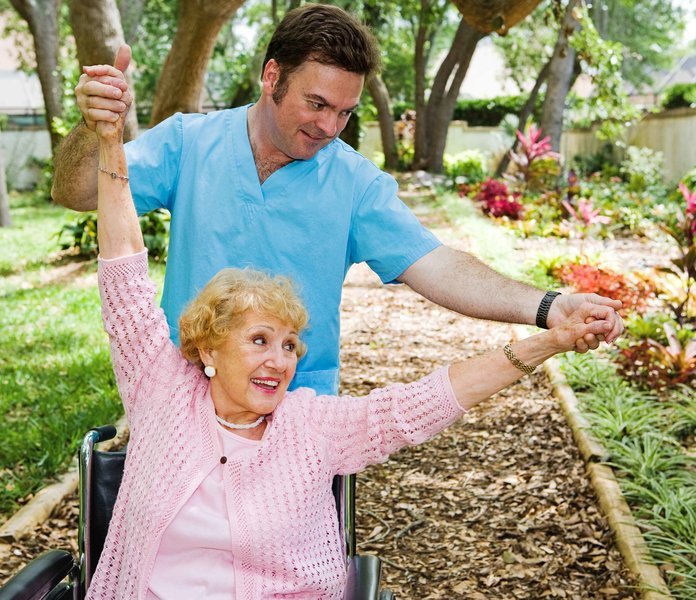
(39, 577)
(364, 573)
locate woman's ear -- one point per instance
(207, 356)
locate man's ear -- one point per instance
(270, 75)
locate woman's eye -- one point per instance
(290, 346)
(259, 341)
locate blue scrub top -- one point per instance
(310, 220)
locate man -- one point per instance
(271, 186)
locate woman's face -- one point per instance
(254, 367)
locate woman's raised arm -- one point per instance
(118, 228)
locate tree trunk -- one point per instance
(522, 117)
(180, 86)
(560, 79)
(96, 25)
(443, 99)
(351, 132)
(131, 12)
(380, 96)
(420, 62)
(42, 18)
(5, 218)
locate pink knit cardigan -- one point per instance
(286, 537)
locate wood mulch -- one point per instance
(496, 507)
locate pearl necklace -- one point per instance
(236, 426)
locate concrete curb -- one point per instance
(42, 505)
(629, 538)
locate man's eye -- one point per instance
(346, 114)
(316, 105)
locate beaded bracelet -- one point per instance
(113, 175)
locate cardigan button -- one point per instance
(223, 459)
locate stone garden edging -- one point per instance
(629, 538)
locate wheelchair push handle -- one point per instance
(105, 432)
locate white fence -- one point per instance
(672, 132)
(19, 150)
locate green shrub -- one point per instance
(642, 168)
(466, 167)
(491, 111)
(81, 234)
(155, 228)
(680, 95)
(603, 162)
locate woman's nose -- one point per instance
(277, 359)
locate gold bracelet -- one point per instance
(114, 175)
(516, 361)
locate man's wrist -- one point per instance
(544, 307)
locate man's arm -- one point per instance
(102, 95)
(75, 170)
(459, 281)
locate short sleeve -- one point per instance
(385, 233)
(153, 164)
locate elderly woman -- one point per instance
(227, 486)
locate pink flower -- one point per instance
(690, 198)
(586, 212)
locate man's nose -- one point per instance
(328, 124)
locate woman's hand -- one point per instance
(563, 306)
(104, 97)
(589, 319)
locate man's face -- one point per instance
(314, 109)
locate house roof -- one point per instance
(683, 72)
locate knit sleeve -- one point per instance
(137, 328)
(366, 430)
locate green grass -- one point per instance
(56, 379)
(646, 437)
(31, 239)
(493, 244)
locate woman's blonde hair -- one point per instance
(220, 306)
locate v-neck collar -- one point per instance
(245, 177)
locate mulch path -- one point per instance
(496, 507)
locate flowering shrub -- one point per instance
(537, 163)
(652, 364)
(586, 278)
(496, 200)
(682, 229)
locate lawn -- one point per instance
(55, 375)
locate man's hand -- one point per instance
(102, 92)
(565, 305)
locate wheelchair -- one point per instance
(58, 575)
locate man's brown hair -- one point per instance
(325, 34)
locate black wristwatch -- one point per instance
(544, 306)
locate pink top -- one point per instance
(286, 539)
(195, 558)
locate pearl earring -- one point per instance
(210, 371)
